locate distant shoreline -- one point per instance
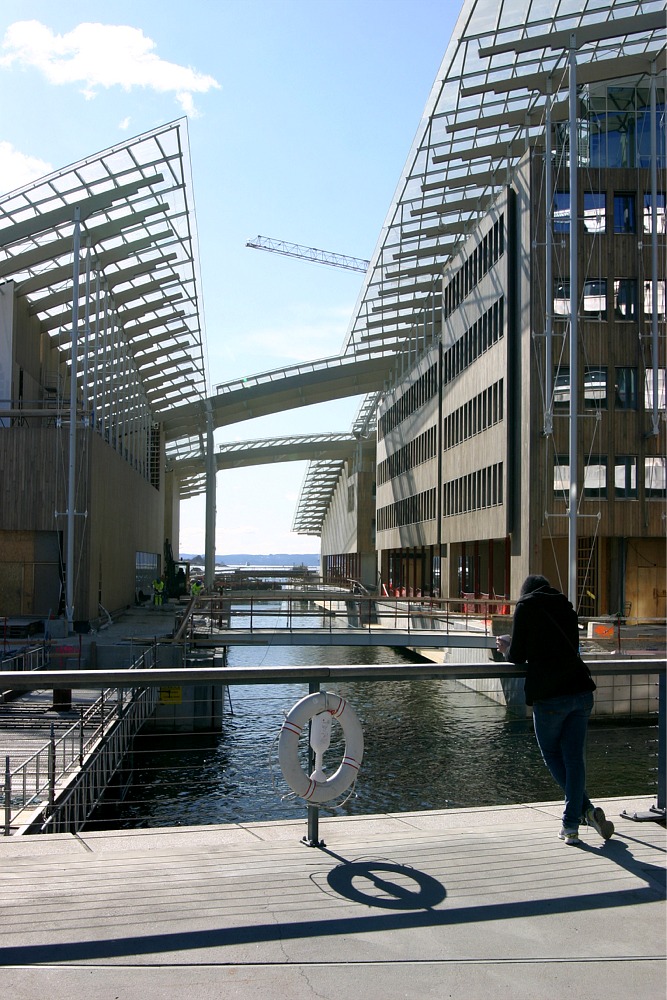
(250, 559)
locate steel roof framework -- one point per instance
(138, 271)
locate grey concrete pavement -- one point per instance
(456, 903)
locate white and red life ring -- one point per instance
(295, 776)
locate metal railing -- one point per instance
(33, 658)
(332, 610)
(67, 809)
(34, 785)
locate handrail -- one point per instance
(147, 677)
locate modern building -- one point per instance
(522, 290)
(98, 276)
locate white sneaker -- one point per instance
(596, 818)
(571, 837)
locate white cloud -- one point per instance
(17, 169)
(101, 55)
(125, 124)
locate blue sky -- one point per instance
(301, 115)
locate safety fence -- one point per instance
(416, 716)
(68, 774)
(313, 608)
(32, 658)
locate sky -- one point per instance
(301, 114)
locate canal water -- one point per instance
(429, 744)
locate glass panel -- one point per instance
(561, 475)
(595, 298)
(625, 476)
(594, 212)
(625, 298)
(624, 213)
(648, 389)
(595, 387)
(648, 299)
(562, 299)
(626, 388)
(660, 214)
(654, 477)
(562, 388)
(595, 478)
(561, 223)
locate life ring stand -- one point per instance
(299, 781)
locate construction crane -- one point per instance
(309, 253)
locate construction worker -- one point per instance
(158, 591)
(196, 588)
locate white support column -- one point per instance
(655, 419)
(96, 347)
(86, 334)
(548, 270)
(211, 469)
(71, 478)
(574, 305)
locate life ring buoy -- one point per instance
(299, 781)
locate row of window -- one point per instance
(596, 394)
(483, 488)
(419, 392)
(476, 491)
(482, 335)
(480, 261)
(596, 214)
(423, 448)
(625, 481)
(485, 410)
(625, 302)
(410, 510)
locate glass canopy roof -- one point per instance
(137, 233)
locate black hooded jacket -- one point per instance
(545, 636)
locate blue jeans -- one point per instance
(560, 727)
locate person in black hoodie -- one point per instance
(545, 636)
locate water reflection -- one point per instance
(429, 744)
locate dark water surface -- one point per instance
(429, 744)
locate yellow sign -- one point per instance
(171, 695)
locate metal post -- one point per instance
(8, 798)
(662, 741)
(655, 415)
(312, 838)
(211, 468)
(52, 768)
(548, 269)
(574, 304)
(71, 482)
(81, 739)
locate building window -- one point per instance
(561, 223)
(625, 298)
(350, 499)
(595, 388)
(648, 389)
(625, 477)
(625, 220)
(562, 388)
(626, 389)
(561, 476)
(595, 209)
(648, 300)
(595, 298)
(660, 213)
(654, 477)
(595, 479)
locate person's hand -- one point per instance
(503, 643)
